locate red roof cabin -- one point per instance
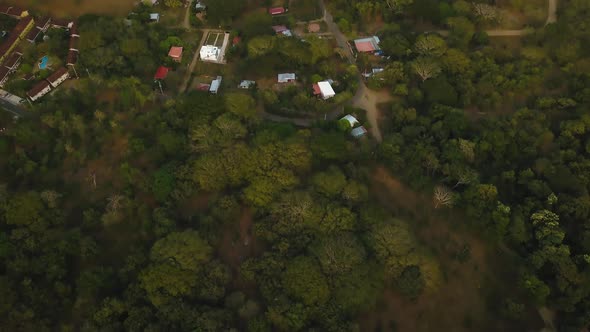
(175, 53)
(276, 11)
(161, 73)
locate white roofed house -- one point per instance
(209, 53)
(324, 89)
(358, 132)
(155, 17)
(215, 84)
(246, 84)
(286, 77)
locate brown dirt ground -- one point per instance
(461, 302)
(73, 8)
(238, 242)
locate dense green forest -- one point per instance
(122, 209)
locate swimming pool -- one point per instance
(43, 62)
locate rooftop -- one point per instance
(38, 88)
(72, 57)
(3, 73)
(13, 59)
(286, 77)
(161, 73)
(58, 74)
(276, 10)
(351, 120)
(175, 52)
(369, 44)
(358, 132)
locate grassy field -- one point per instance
(72, 8)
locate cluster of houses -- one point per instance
(10, 57)
(30, 29)
(60, 75)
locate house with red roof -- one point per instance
(277, 10)
(161, 73)
(175, 53)
(367, 45)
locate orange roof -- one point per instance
(175, 52)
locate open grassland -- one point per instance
(71, 8)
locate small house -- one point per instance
(351, 120)
(246, 84)
(286, 77)
(58, 77)
(324, 90)
(367, 45)
(175, 53)
(161, 73)
(39, 90)
(155, 17)
(276, 10)
(209, 53)
(215, 84)
(358, 132)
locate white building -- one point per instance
(215, 84)
(246, 84)
(358, 132)
(351, 120)
(209, 53)
(286, 77)
(326, 90)
(155, 17)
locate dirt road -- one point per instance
(369, 100)
(191, 67)
(186, 23)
